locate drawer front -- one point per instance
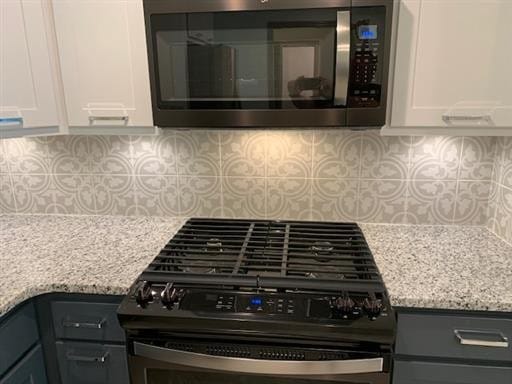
(29, 370)
(90, 363)
(436, 336)
(86, 321)
(17, 335)
(411, 372)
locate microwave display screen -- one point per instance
(367, 32)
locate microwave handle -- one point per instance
(342, 58)
(255, 366)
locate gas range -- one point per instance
(261, 290)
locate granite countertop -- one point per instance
(423, 266)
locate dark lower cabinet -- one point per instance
(30, 370)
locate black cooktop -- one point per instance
(320, 256)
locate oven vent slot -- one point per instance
(222, 350)
(180, 346)
(276, 354)
(333, 356)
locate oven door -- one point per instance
(248, 68)
(150, 364)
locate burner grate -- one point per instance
(257, 251)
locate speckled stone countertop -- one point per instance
(422, 266)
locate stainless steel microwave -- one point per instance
(268, 63)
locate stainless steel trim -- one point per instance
(342, 58)
(92, 119)
(449, 119)
(75, 324)
(11, 121)
(503, 343)
(88, 359)
(253, 366)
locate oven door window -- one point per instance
(245, 60)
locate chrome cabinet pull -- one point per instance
(342, 58)
(92, 119)
(500, 342)
(11, 121)
(256, 366)
(450, 119)
(76, 324)
(87, 359)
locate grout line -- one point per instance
(134, 181)
(221, 175)
(359, 173)
(408, 180)
(312, 174)
(10, 175)
(177, 169)
(265, 160)
(457, 186)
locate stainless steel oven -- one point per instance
(268, 63)
(180, 363)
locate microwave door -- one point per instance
(342, 58)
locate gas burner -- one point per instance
(322, 249)
(213, 245)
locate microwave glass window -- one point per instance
(244, 60)
(367, 32)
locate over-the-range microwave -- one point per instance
(268, 63)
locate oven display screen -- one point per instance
(367, 32)
(256, 301)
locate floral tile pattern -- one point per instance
(244, 197)
(298, 174)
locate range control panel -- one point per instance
(366, 57)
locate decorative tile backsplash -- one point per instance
(500, 202)
(321, 175)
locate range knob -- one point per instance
(143, 294)
(169, 295)
(343, 306)
(372, 307)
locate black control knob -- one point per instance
(143, 294)
(169, 295)
(372, 307)
(343, 306)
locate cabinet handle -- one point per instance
(76, 324)
(450, 119)
(11, 121)
(88, 359)
(92, 119)
(500, 342)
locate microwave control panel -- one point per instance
(366, 56)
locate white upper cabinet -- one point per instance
(453, 67)
(103, 59)
(28, 97)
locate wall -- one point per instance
(500, 204)
(327, 175)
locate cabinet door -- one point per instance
(27, 77)
(453, 63)
(29, 370)
(103, 57)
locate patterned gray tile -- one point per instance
(4, 168)
(69, 154)
(110, 155)
(337, 154)
(477, 160)
(243, 197)
(431, 201)
(115, 195)
(27, 155)
(503, 218)
(289, 154)
(472, 203)
(200, 196)
(33, 193)
(7, 203)
(157, 195)
(385, 157)
(74, 194)
(435, 158)
(335, 199)
(492, 206)
(243, 153)
(198, 153)
(155, 155)
(289, 198)
(382, 201)
(506, 162)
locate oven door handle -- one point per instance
(254, 366)
(342, 58)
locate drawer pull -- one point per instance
(92, 119)
(75, 324)
(11, 121)
(88, 359)
(487, 339)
